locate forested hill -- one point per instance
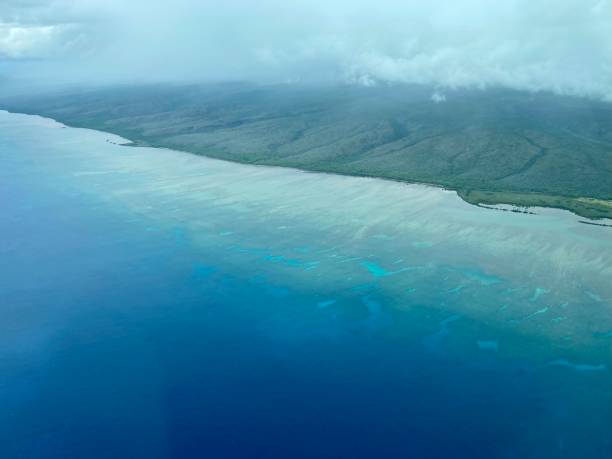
(493, 146)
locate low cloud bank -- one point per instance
(552, 45)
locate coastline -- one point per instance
(590, 208)
(360, 235)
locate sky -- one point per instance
(564, 46)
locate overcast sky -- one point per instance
(559, 45)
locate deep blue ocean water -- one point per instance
(156, 304)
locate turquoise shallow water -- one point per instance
(160, 304)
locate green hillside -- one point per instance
(494, 146)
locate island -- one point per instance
(494, 146)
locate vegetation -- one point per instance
(586, 207)
(494, 146)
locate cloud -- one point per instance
(561, 46)
(36, 42)
(437, 97)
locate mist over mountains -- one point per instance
(513, 98)
(563, 47)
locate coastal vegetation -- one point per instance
(492, 147)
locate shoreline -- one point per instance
(376, 271)
(593, 209)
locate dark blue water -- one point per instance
(125, 335)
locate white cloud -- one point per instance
(437, 97)
(559, 45)
(19, 42)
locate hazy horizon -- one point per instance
(562, 47)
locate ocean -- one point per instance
(159, 304)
